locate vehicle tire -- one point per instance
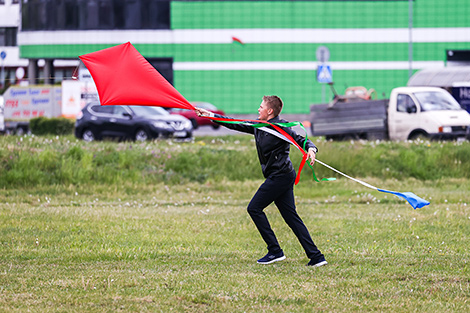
(195, 124)
(215, 126)
(88, 135)
(141, 135)
(348, 137)
(20, 131)
(334, 137)
(418, 135)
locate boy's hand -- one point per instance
(202, 112)
(311, 155)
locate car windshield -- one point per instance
(436, 101)
(146, 110)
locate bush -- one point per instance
(64, 160)
(51, 126)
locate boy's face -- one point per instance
(264, 111)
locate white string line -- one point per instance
(281, 136)
(356, 180)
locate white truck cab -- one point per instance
(426, 111)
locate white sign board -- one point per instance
(75, 95)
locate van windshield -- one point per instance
(436, 101)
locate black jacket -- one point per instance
(273, 152)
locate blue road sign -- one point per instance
(324, 74)
(3, 55)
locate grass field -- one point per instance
(189, 245)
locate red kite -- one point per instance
(124, 77)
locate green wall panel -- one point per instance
(318, 14)
(260, 52)
(67, 51)
(289, 14)
(440, 13)
(241, 91)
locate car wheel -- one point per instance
(88, 135)
(141, 135)
(215, 126)
(195, 124)
(20, 131)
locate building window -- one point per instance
(8, 36)
(95, 14)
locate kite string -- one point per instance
(354, 179)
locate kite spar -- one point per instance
(124, 77)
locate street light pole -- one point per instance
(410, 38)
(3, 55)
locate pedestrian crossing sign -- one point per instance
(324, 74)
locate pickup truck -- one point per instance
(411, 112)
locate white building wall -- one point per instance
(10, 17)
(9, 14)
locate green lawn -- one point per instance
(162, 226)
(192, 248)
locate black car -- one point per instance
(129, 122)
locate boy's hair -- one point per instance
(275, 103)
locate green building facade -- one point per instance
(231, 53)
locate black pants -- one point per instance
(280, 190)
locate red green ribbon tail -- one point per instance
(304, 159)
(315, 176)
(280, 130)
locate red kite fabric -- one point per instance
(124, 77)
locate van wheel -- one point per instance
(348, 137)
(418, 135)
(141, 135)
(333, 137)
(88, 135)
